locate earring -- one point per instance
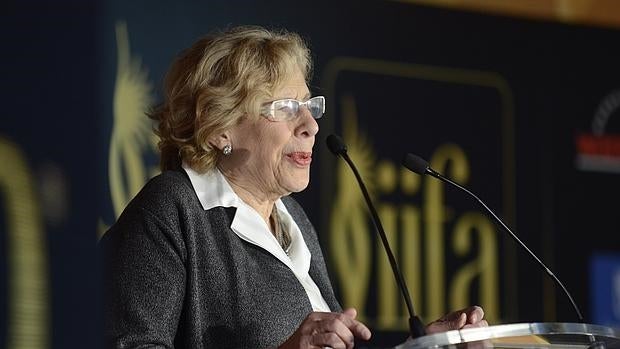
(227, 149)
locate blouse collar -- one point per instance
(213, 190)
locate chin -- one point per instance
(294, 180)
(298, 184)
(298, 188)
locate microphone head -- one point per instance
(415, 164)
(336, 145)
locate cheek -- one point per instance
(278, 143)
(270, 151)
(269, 145)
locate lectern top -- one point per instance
(539, 335)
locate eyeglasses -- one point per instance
(288, 109)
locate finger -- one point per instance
(357, 328)
(352, 312)
(447, 325)
(338, 327)
(462, 321)
(330, 339)
(475, 314)
(360, 330)
(455, 315)
(457, 323)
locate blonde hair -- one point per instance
(217, 81)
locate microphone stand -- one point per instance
(420, 166)
(416, 327)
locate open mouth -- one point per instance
(300, 158)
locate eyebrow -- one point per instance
(306, 97)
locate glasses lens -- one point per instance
(288, 109)
(316, 106)
(285, 109)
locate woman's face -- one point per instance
(272, 158)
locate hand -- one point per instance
(334, 330)
(456, 320)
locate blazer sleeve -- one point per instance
(144, 281)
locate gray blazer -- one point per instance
(177, 276)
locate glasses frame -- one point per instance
(269, 109)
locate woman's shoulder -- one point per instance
(167, 202)
(168, 190)
(170, 182)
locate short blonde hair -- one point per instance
(217, 81)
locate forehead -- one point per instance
(293, 87)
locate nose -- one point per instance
(307, 127)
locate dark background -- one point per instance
(58, 73)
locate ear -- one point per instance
(218, 141)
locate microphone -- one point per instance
(421, 167)
(338, 148)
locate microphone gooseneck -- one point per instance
(338, 148)
(421, 167)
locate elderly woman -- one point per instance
(213, 253)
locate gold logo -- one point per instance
(132, 137)
(422, 231)
(28, 314)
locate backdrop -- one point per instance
(524, 111)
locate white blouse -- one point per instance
(213, 190)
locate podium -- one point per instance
(522, 335)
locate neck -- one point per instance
(254, 197)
